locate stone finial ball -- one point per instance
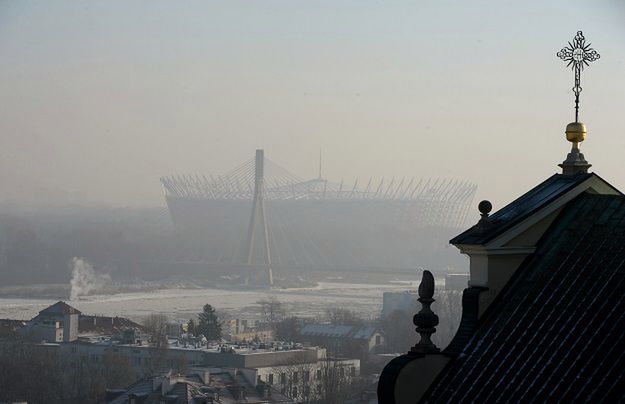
(485, 207)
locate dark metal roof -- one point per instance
(555, 333)
(521, 208)
(338, 331)
(142, 387)
(106, 325)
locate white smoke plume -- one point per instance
(85, 280)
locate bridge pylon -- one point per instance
(258, 222)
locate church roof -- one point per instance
(555, 333)
(521, 208)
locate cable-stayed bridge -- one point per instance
(259, 214)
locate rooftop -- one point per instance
(59, 307)
(555, 331)
(102, 325)
(338, 331)
(523, 207)
(222, 385)
(226, 347)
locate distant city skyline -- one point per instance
(100, 99)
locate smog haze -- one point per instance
(100, 99)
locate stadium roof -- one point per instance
(280, 184)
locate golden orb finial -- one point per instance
(575, 132)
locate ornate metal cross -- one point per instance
(578, 54)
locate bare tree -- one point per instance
(342, 316)
(297, 381)
(156, 326)
(271, 309)
(399, 332)
(288, 329)
(327, 381)
(29, 372)
(335, 382)
(448, 307)
(117, 370)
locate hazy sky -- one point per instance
(100, 99)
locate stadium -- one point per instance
(260, 214)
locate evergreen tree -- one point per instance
(209, 324)
(191, 327)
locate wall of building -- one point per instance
(49, 331)
(143, 356)
(301, 375)
(263, 359)
(70, 327)
(376, 339)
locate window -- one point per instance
(294, 392)
(306, 376)
(342, 371)
(352, 371)
(318, 374)
(258, 379)
(270, 378)
(295, 377)
(378, 339)
(306, 391)
(282, 378)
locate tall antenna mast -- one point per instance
(320, 163)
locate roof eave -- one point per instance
(460, 240)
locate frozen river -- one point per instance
(365, 299)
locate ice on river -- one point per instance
(181, 304)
